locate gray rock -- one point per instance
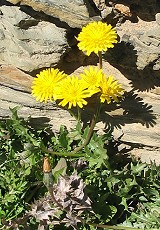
(148, 48)
(75, 13)
(28, 43)
(106, 11)
(158, 18)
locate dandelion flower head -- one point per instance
(72, 91)
(92, 77)
(43, 87)
(96, 37)
(110, 90)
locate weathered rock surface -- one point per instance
(147, 46)
(74, 13)
(28, 43)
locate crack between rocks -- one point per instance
(16, 88)
(30, 106)
(139, 145)
(20, 104)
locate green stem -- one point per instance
(62, 154)
(87, 138)
(72, 114)
(100, 59)
(93, 123)
(79, 113)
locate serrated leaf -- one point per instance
(14, 112)
(86, 132)
(112, 179)
(76, 134)
(141, 217)
(96, 154)
(137, 168)
(124, 203)
(79, 127)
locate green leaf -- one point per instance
(76, 134)
(14, 112)
(86, 132)
(105, 211)
(136, 169)
(124, 203)
(142, 198)
(59, 169)
(2, 214)
(95, 152)
(112, 179)
(151, 192)
(63, 137)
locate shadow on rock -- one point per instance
(143, 9)
(138, 111)
(39, 122)
(124, 58)
(74, 59)
(130, 110)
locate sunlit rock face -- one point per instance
(29, 43)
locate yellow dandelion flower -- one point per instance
(72, 91)
(92, 77)
(44, 85)
(95, 37)
(110, 89)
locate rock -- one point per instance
(148, 48)
(75, 13)
(105, 12)
(143, 9)
(41, 115)
(125, 10)
(158, 18)
(137, 54)
(28, 43)
(14, 78)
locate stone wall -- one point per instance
(39, 34)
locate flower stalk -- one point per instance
(100, 59)
(64, 154)
(91, 129)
